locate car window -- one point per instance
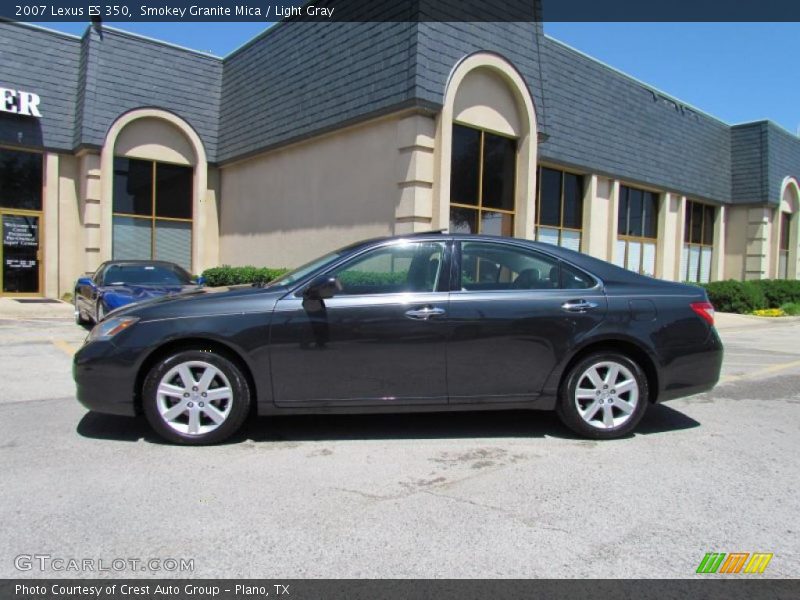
(145, 275)
(488, 266)
(404, 267)
(98, 275)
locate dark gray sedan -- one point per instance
(429, 322)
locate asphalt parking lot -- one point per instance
(451, 495)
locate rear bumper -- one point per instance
(693, 369)
(105, 381)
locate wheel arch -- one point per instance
(192, 343)
(631, 348)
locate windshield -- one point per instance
(146, 275)
(300, 272)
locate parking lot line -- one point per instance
(761, 372)
(65, 347)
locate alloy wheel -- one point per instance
(194, 398)
(606, 395)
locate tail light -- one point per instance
(705, 310)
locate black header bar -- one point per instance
(740, 588)
(122, 11)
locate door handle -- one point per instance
(423, 314)
(578, 306)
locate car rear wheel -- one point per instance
(196, 397)
(604, 396)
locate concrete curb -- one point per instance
(725, 321)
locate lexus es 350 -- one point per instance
(428, 322)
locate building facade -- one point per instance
(314, 135)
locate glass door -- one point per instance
(21, 258)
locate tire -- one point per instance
(79, 318)
(99, 312)
(611, 413)
(181, 412)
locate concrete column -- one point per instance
(525, 187)
(718, 252)
(668, 245)
(207, 229)
(680, 234)
(735, 240)
(415, 174)
(48, 228)
(71, 251)
(92, 213)
(613, 231)
(757, 244)
(598, 217)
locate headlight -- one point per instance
(107, 329)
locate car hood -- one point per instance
(203, 302)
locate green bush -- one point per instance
(779, 291)
(791, 309)
(371, 278)
(735, 296)
(227, 275)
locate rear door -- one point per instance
(514, 313)
(380, 341)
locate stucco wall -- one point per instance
(285, 207)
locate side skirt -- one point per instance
(539, 403)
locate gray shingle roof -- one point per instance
(300, 79)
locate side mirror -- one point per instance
(84, 281)
(200, 280)
(323, 288)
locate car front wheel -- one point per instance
(195, 397)
(100, 312)
(604, 396)
(79, 318)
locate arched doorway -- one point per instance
(154, 176)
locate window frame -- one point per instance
(538, 205)
(479, 207)
(153, 217)
(688, 220)
(635, 238)
(458, 253)
(445, 272)
(28, 212)
(784, 234)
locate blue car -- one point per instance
(120, 282)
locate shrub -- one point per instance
(227, 275)
(371, 278)
(779, 291)
(791, 308)
(769, 312)
(735, 296)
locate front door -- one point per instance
(380, 340)
(21, 258)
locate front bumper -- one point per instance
(105, 379)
